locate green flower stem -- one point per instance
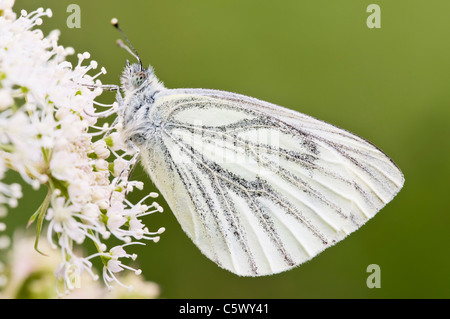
(39, 215)
(103, 258)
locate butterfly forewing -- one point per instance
(260, 188)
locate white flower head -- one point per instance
(48, 135)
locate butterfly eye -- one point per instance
(139, 78)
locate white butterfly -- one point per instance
(257, 187)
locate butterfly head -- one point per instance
(134, 76)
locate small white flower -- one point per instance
(90, 211)
(101, 149)
(115, 141)
(70, 272)
(101, 165)
(78, 192)
(119, 166)
(113, 265)
(63, 222)
(62, 165)
(115, 217)
(118, 252)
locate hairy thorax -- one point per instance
(137, 125)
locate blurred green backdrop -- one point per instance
(389, 85)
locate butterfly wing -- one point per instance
(260, 188)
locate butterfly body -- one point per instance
(258, 188)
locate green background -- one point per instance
(389, 85)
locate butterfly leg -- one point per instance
(104, 87)
(134, 159)
(129, 168)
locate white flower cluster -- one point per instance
(48, 135)
(33, 278)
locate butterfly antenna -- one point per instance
(120, 43)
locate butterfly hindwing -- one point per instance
(260, 188)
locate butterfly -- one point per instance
(259, 188)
